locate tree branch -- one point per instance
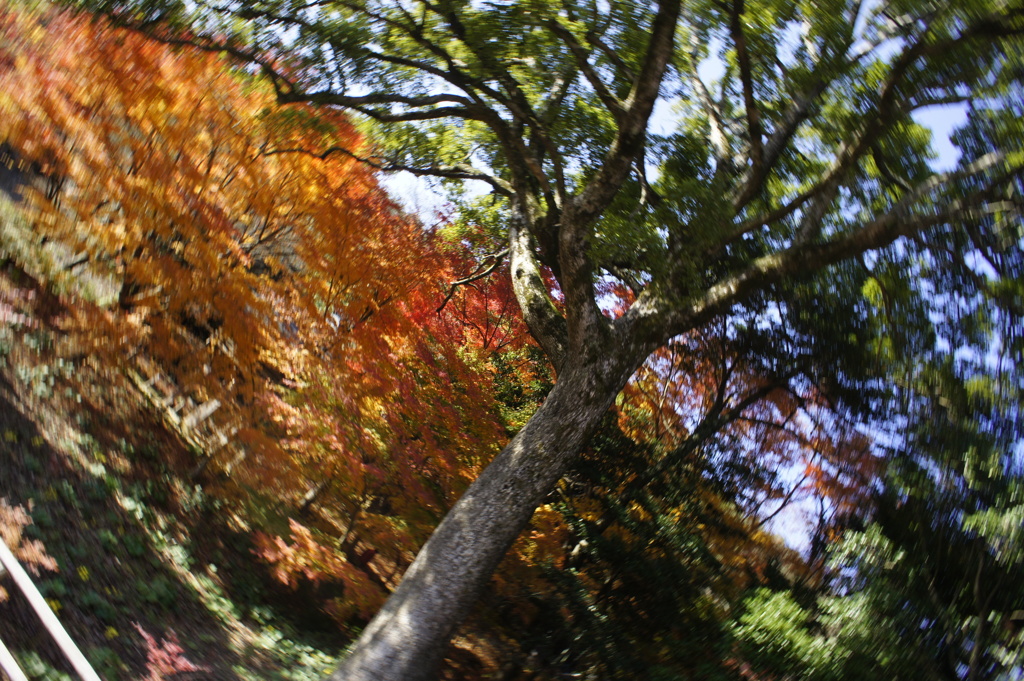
(633, 127)
(585, 320)
(481, 272)
(581, 56)
(517, 104)
(719, 140)
(546, 323)
(795, 115)
(454, 75)
(804, 258)
(753, 113)
(992, 26)
(457, 172)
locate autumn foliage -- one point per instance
(277, 289)
(244, 259)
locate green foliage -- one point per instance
(134, 545)
(1003, 531)
(106, 662)
(775, 633)
(93, 602)
(158, 591)
(927, 585)
(38, 670)
(52, 587)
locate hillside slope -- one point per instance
(152, 578)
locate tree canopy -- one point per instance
(793, 190)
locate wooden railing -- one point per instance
(7, 662)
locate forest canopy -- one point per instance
(570, 411)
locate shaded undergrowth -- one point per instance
(155, 577)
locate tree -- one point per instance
(922, 586)
(665, 515)
(238, 279)
(803, 155)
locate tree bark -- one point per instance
(408, 638)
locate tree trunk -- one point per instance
(409, 636)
